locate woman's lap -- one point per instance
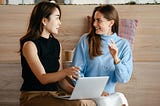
(47, 99)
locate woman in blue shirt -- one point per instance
(101, 52)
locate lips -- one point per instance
(97, 28)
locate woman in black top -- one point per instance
(40, 56)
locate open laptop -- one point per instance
(87, 87)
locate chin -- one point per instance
(98, 33)
(55, 33)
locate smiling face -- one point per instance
(52, 24)
(101, 24)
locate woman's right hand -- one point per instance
(72, 72)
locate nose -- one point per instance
(94, 23)
(60, 22)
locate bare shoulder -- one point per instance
(29, 46)
(28, 43)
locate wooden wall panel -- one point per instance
(14, 19)
(143, 88)
(147, 46)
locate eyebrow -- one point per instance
(98, 19)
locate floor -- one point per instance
(10, 81)
(141, 90)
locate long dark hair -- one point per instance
(94, 40)
(41, 10)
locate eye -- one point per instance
(99, 20)
(58, 18)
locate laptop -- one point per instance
(87, 87)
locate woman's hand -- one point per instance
(114, 51)
(104, 93)
(72, 72)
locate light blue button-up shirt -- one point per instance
(104, 65)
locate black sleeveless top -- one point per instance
(48, 52)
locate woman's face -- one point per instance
(53, 24)
(101, 24)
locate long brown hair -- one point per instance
(94, 40)
(41, 10)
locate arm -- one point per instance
(29, 51)
(123, 62)
(79, 57)
(123, 70)
(64, 84)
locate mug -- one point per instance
(68, 55)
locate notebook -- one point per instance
(87, 87)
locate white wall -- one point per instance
(109, 1)
(137, 1)
(20, 2)
(87, 1)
